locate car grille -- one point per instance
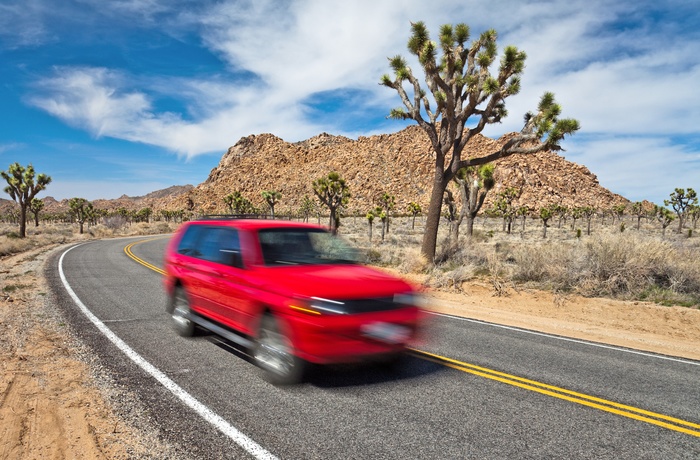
(355, 306)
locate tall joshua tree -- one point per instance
(23, 185)
(463, 90)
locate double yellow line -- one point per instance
(623, 410)
(635, 413)
(129, 253)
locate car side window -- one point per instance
(230, 249)
(215, 244)
(189, 242)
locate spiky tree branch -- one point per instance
(463, 89)
(23, 185)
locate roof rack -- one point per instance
(239, 216)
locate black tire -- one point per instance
(180, 313)
(273, 353)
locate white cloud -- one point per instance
(632, 86)
(639, 168)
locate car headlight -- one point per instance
(409, 298)
(318, 306)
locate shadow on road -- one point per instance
(407, 366)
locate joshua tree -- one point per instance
(588, 212)
(474, 183)
(333, 192)
(381, 213)
(23, 185)
(238, 204)
(639, 212)
(370, 220)
(665, 216)
(271, 197)
(523, 212)
(504, 207)
(306, 208)
(35, 207)
(680, 200)
(386, 203)
(464, 93)
(545, 215)
(561, 212)
(143, 215)
(694, 214)
(82, 210)
(413, 209)
(619, 211)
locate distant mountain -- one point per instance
(150, 200)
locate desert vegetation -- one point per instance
(629, 264)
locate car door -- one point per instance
(225, 292)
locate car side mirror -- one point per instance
(231, 257)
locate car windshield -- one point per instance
(304, 246)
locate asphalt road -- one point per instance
(489, 393)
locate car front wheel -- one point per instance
(274, 354)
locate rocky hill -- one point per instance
(400, 164)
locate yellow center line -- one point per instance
(653, 418)
(623, 410)
(129, 253)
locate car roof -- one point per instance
(254, 224)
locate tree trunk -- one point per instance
(470, 224)
(22, 221)
(432, 221)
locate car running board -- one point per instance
(218, 330)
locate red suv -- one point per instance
(291, 292)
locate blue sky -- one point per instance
(113, 97)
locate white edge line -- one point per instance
(566, 339)
(207, 414)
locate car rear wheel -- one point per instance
(274, 354)
(182, 323)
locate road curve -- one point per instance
(472, 394)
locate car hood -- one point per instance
(331, 281)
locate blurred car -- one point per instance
(291, 292)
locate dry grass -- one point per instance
(52, 234)
(633, 264)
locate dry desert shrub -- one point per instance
(10, 243)
(616, 265)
